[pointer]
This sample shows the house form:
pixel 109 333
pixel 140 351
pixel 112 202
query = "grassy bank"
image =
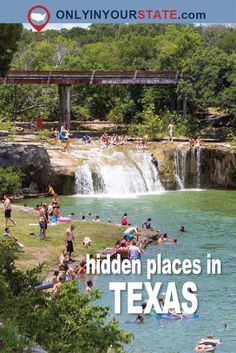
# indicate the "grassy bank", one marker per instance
pixel 36 251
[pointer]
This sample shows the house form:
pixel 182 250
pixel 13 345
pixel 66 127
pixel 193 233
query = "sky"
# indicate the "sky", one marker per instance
pixel 59 26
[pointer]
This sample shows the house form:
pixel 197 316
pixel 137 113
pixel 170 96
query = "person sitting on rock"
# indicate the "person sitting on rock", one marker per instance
pixel 51 191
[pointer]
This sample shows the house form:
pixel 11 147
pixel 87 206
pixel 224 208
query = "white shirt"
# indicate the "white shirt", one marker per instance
pixel 134 252
pixel 130 230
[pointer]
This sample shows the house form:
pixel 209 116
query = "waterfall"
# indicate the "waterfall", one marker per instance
pixel 84 180
pixel 177 175
pixel 198 168
pixel 184 159
pixel 115 171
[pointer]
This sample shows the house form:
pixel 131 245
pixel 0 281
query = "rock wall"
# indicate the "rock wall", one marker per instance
pixel 165 157
pixel 38 168
pixel 213 167
pixel 218 168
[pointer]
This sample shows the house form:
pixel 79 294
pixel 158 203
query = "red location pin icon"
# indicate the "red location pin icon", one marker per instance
pixel 38 17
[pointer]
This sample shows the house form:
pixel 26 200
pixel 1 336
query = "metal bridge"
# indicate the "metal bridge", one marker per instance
pixel 65 79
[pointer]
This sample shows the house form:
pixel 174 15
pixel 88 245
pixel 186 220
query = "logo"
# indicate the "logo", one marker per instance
pixel 38 17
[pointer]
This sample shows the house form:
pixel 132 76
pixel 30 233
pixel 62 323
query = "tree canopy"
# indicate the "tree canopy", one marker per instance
pixel 206 53
pixel 9 36
pixel 66 322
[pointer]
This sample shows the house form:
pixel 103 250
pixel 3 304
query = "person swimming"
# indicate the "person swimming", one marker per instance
pixel 139 318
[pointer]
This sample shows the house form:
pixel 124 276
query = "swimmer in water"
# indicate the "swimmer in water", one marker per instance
pixel 89 287
pixel 161 303
pixel 181 229
pixel 139 319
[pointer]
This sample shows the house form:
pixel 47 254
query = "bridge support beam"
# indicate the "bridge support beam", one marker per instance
pixel 64 105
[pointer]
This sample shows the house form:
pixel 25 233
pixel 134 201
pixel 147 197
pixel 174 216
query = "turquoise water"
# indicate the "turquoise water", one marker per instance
pixel 209 217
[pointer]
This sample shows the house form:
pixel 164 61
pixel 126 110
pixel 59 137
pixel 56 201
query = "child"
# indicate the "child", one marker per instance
pixel 89 287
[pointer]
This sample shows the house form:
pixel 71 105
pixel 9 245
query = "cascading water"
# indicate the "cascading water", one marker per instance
pixel 184 159
pixel 114 171
pixel 198 168
pixel 84 180
pixel 177 174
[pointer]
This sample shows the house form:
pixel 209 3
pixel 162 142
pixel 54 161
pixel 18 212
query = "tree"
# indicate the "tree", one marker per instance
pixel 68 322
pixel 10 181
pixel 228 41
pixel 228 95
pixel 9 36
pixel 208 71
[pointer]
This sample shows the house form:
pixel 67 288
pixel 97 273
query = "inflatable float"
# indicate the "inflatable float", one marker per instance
pixel 170 316
pixel 207 345
pixel 45 285
pixel 63 220
pixel 204 348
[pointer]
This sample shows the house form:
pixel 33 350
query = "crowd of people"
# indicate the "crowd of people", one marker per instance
pixel 70 269
pixel 194 143
pixel 130 247
pixel 107 141
pixel 50 212
pixel 140 144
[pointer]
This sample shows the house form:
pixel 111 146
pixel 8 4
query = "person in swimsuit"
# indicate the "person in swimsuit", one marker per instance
pixel 69 239
pixel 42 222
pixel 89 287
pixel 171 131
pixel 56 136
pixel 154 161
pixel 123 251
pixel 147 224
pixel 124 220
pixel 7 210
pixel 82 270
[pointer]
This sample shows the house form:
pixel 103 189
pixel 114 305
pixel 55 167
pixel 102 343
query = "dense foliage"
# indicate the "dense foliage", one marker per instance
pixel 206 53
pixel 67 322
pixel 10 181
pixel 9 36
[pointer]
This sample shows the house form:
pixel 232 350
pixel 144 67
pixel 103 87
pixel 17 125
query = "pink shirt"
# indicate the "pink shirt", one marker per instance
pixel 124 221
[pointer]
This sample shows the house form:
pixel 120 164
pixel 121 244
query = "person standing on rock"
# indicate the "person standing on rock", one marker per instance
pixel 69 239
pixel 171 131
pixel 7 210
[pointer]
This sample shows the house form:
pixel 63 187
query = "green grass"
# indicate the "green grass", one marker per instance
pixel 36 251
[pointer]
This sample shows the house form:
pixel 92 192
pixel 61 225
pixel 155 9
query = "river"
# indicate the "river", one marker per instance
pixel 209 218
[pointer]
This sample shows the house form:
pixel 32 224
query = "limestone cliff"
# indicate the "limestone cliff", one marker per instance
pixel 211 166
pixel 40 167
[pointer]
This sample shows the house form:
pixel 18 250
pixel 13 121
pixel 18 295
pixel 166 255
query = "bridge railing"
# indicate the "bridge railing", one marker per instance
pixel 92 77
